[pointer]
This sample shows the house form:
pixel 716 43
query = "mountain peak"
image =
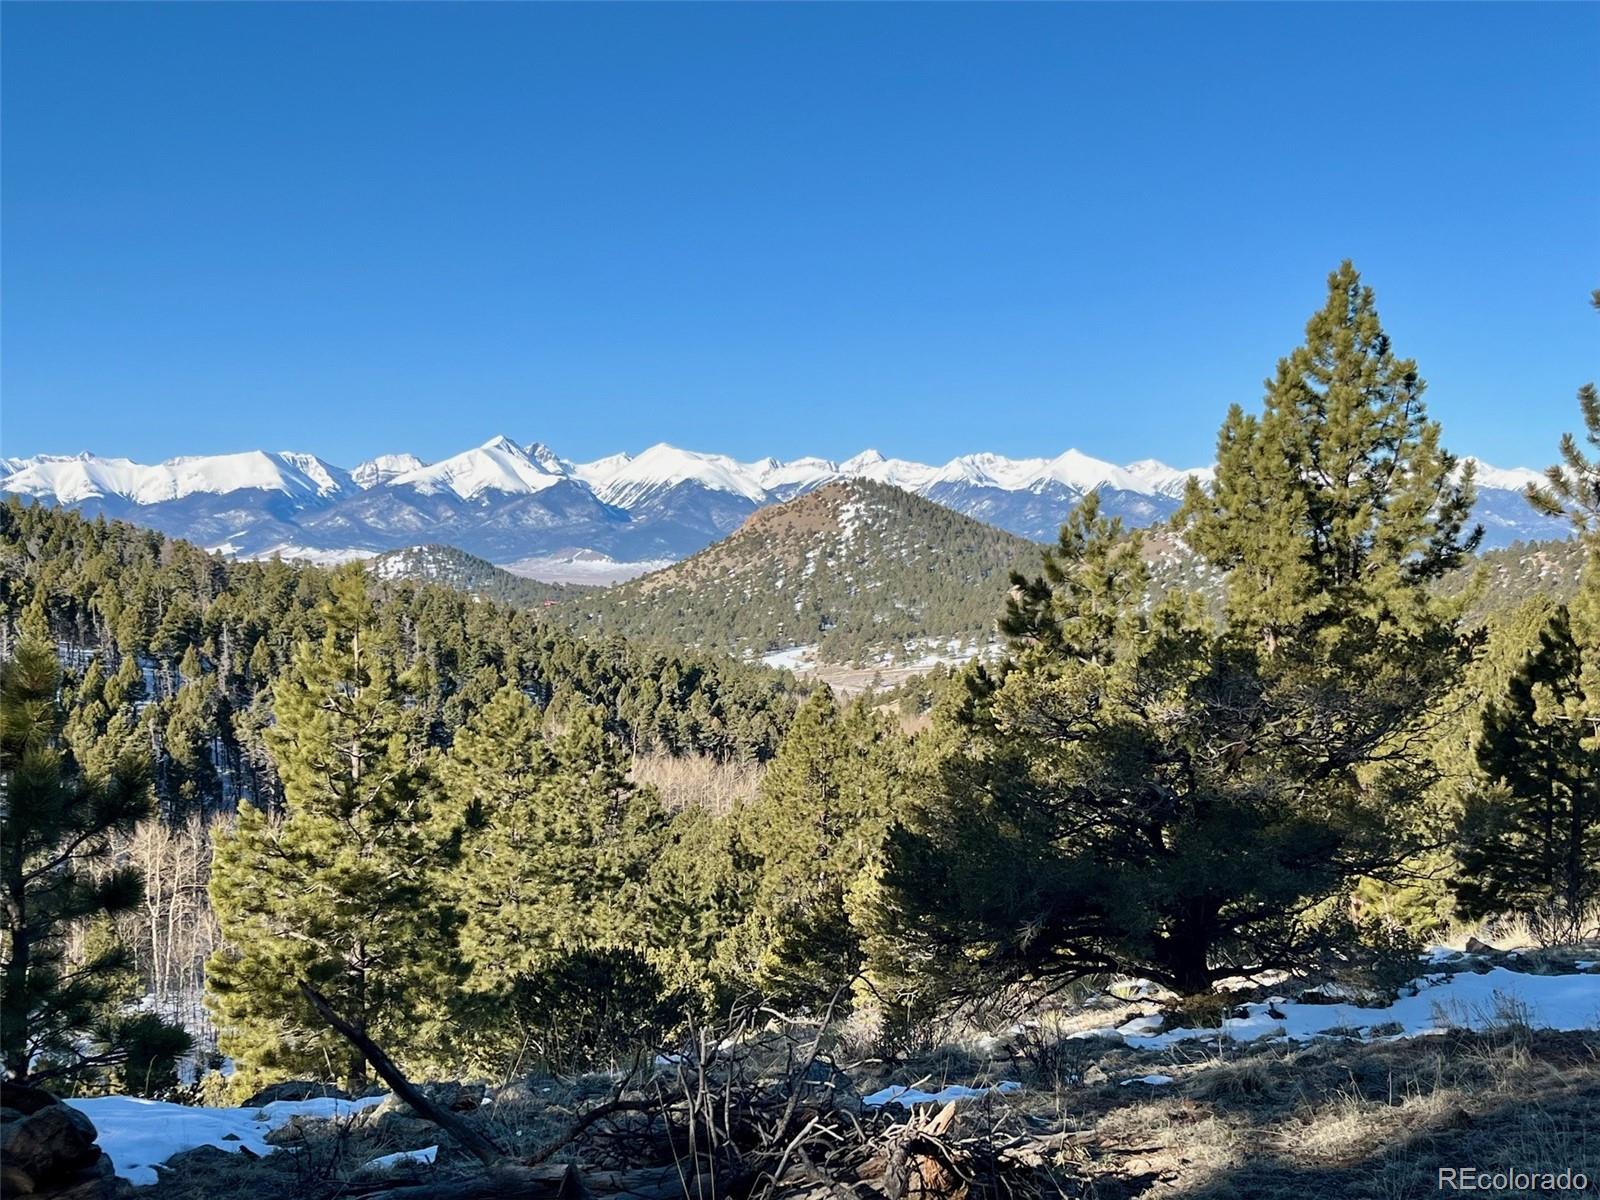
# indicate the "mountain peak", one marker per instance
pixel 546 458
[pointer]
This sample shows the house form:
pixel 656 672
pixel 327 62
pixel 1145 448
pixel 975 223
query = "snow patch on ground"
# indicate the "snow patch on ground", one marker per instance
pixel 795 658
pixel 139 1134
pixel 426 1155
pixel 1464 1000
pixel 907 1096
pixel 308 554
pixel 586 566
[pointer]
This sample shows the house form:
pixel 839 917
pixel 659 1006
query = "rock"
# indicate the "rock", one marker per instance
pixel 199 1156
pixel 457 1097
pixel 98 1182
pixel 52 1144
pixel 1474 946
pixel 49 1151
pixel 26 1100
pixel 296 1089
pixel 535 1089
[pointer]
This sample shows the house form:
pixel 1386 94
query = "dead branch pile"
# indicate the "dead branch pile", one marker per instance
pixel 750 1112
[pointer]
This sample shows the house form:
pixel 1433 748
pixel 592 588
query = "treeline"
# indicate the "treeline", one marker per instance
pixel 1310 774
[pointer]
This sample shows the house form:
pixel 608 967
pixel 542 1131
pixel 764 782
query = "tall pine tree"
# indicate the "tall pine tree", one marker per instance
pixel 817 822
pixel 1138 789
pixel 552 885
pixel 341 892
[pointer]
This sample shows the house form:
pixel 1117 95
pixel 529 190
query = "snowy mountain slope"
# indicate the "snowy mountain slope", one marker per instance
pixel 499 465
pixel 385 467
pixel 87 477
pixel 510 502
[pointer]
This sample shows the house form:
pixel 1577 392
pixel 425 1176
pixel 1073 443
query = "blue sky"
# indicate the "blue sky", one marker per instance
pixel 779 229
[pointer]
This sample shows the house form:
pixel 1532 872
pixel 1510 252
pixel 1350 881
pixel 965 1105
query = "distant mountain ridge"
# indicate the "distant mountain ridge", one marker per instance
pixel 508 502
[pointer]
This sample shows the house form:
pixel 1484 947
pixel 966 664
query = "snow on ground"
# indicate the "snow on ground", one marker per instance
pixel 795 658
pixel 1463 1000
pixel 309 554
pixel 907 1096
pixel 426 1155
pixel 138 1134
pixel 586 566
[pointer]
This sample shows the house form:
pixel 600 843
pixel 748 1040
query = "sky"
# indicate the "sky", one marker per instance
pixel 778 229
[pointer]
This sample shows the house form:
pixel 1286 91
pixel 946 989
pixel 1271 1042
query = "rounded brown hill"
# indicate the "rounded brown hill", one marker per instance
pixel 861 570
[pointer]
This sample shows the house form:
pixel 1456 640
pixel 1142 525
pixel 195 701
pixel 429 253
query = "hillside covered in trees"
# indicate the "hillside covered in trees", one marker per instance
pixel 858 569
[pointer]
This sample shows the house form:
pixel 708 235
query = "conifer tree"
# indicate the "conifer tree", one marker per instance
pixel 818 820
pixel 552 885
pixel 1143 790
pixel 1530 839
pixel 57 828
pixel 342 891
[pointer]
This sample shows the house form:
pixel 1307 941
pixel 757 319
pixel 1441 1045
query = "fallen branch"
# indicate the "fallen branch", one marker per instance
pixel 476 1143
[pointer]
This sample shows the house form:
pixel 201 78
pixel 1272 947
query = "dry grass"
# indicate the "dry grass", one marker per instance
pixel 1326 1120
pixel 697 781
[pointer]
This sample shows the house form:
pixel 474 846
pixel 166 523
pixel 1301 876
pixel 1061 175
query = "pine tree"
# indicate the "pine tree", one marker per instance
pixel 817 821
pixel 1329 508
pixel 1530 839
pixel 57 830
pixel 552 885
pixel 1140 789
pixel 341 892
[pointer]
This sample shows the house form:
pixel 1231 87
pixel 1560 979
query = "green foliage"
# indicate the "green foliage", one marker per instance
pixel 1140 789
pixel 1530 841
pixel 859 569
pixel 813 829
pixel 553 883
pixel 178 651
pixel 56 836
pixel 339 892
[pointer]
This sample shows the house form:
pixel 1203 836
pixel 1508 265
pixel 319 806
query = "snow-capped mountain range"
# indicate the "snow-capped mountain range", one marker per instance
pixel 524 505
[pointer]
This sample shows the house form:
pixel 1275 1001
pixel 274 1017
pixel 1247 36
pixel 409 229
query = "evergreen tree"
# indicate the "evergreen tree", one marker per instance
pixel 341 892
pixel 1142 790
pixel 817 822
pixel 57 829
pixel 552 885
pixel 1531 841
pixel 1531 838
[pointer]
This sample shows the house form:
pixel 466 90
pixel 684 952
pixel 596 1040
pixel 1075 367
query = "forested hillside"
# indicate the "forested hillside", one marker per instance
pixel 856 568
pixel 465 572
pixel 177 650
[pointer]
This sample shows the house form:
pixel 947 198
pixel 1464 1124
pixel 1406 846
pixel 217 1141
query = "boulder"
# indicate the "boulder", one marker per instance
pixel 296 1089
pixel 24 1099
pixel 52 1143
pixel 457 1097
pixel 48 1150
